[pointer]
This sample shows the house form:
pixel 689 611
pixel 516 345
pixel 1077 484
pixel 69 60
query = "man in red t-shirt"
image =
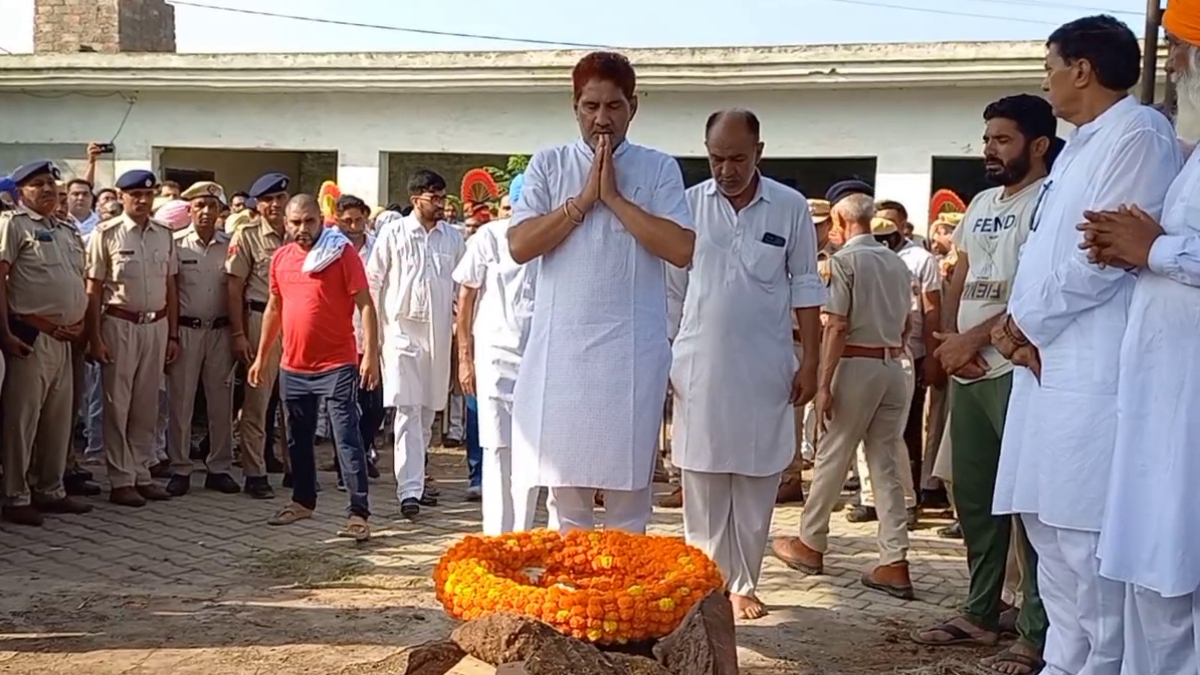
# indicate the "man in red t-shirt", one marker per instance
pixel 317 283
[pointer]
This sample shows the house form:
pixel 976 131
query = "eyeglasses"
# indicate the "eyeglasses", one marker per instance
pixel 436 200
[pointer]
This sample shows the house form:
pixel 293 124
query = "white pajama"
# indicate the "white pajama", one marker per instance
pixel 728 516
pixel 505 508
pixel 414 430
pixel 1160 635
pixel 575 509
pixel 1085 610
pixel 455 417
pixel 93 411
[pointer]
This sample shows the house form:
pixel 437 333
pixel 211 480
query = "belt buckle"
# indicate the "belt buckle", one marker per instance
pixel 146 317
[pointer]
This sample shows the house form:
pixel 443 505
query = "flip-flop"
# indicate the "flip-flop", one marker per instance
pixel 356 529
pixel 958 637
pixel 1032 663
pixel 290 514
pixel 1008 622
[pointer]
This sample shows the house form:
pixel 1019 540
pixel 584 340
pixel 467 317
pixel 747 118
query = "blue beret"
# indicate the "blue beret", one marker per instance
pixel 845 188
pixel 138 179
pixel 514 188
pixel 269 185
pixel 27 171
pixel 8 185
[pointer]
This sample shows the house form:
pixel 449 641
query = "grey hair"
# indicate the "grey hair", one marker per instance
pixel 1188 82
pixel 856 209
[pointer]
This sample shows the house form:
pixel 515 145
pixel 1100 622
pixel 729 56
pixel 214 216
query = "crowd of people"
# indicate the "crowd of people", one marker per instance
pixel 1050 327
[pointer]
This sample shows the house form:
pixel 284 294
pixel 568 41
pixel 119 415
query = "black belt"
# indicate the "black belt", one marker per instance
pixel 256 306
pixel 193 322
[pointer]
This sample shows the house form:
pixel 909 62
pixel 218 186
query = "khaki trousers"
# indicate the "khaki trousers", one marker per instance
pixel 131 383
pixel 37 395
pixel 253 425
pixel 204 360
pixel 870 399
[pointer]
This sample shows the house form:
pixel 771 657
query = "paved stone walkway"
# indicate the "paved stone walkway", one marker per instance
pixel 211 545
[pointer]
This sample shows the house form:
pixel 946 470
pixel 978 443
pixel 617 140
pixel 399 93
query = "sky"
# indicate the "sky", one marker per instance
pixel 608 23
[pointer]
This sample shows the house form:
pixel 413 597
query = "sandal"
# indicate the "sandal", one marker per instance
pixel 356 529
pixel 290 514
pixel 1008 622
pixel 958 637
pixel 1031 664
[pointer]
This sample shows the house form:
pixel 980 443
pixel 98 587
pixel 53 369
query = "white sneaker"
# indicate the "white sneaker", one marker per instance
pixel 474 493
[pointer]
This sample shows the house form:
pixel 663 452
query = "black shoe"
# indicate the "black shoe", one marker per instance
pixel 428 500
pixel 451 443
pixel 287 481
pixel 372 470
pixel 259 488
pixel 852 484
pixel 161 469
pixel 178 486
pixel 221 482
pixel 78 487
pixel 66 505
pixel 911 518
pixel 863 514
pixel 273 464
pixel 341 485
pixel 935 500
pixel 410 508
pixel 22 515
pixel 78 473
pixel 954 531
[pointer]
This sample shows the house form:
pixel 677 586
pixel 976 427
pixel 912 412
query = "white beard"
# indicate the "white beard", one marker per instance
pixel 1187 87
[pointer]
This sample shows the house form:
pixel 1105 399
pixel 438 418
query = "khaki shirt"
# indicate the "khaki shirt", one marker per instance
pixel 202 277
pixel 871 286
pixel 250 252
pixel 133 263
pixel 45 258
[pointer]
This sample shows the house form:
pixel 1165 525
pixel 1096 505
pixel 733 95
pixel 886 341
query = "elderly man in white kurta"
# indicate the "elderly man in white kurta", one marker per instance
pixel 1065 322
pixel 491 341
pixel 735 373
pixel 409 271
pixel 601 214
pixel 1149 537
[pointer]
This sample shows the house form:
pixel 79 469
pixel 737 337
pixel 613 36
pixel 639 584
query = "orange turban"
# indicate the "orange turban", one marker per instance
pixel 1182 19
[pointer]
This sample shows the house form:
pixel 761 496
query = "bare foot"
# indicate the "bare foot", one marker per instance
pixel 1018 659
pixel 747 607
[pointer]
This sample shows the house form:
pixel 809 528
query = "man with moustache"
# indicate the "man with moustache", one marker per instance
pixel 133 313
pixel 754 267
pixel 41 280
pixel 205 358
pixel 317 284
pixel 249 266
pixel 1019 149
pixel 602 215
pixel 1148 536
pixel 1065 321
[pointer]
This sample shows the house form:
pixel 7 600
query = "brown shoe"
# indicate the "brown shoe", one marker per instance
pixel 154 492
pixel 126 496
pixel 891 579
pixel 673 500
pixel 22 515
pixel 791 491
pixel 161 469
pixel 798 556
pixel 66 505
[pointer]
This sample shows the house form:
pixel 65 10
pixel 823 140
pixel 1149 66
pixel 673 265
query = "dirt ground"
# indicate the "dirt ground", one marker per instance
pixel 199 586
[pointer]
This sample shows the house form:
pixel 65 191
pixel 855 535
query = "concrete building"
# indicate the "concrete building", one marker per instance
pixel 907 116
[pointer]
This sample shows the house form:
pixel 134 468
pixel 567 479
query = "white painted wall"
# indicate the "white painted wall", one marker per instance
pixel 904 128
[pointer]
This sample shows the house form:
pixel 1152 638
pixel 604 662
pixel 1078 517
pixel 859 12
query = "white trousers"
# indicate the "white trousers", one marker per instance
pixel 505 508
pixel 414 430
pixel 866 494
pixel 93 411
pixel 728 516
pixel 575 509
pixel 1086 611
pixel 160 429
pixel 807 432
pixel 456 417
pixel 1160 634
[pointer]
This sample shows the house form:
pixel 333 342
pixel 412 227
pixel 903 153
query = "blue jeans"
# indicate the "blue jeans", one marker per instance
pixel 307 398
pixel 474 452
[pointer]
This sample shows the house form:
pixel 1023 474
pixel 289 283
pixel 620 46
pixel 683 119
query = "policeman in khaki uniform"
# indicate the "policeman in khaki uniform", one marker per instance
pixel 41 272
pixel 204 354
pixel 863 395
pixel 132 320
pixel 248 266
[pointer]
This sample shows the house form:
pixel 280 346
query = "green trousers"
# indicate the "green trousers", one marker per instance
pixel 977 412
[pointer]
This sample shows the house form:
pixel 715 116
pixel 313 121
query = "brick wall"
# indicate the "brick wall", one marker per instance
pixel 106 26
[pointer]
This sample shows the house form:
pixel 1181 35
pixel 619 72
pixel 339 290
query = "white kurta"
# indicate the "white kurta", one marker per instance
pixel 1058 437
pixel 588 405
pixel 503 313
pixel 1149 537
pixel 410 277
pixel 734 359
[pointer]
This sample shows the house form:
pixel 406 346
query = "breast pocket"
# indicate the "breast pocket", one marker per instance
pixel 763 262
pixel 125 267
pixel 159 264
pixel 46 252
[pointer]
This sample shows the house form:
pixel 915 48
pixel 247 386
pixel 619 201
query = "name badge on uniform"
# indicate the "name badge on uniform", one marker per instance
pixel 773 240
pixel 129 252
pixel 188 262
pixel 45 237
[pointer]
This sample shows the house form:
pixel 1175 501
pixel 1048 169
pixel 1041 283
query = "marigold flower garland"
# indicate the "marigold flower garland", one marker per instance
pixel 603 587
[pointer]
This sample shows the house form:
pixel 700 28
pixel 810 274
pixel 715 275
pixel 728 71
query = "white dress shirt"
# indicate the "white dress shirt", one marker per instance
pixel 734 359
pixel 926 278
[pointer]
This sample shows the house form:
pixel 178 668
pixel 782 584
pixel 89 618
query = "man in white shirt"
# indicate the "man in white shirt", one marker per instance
pixel 1064 326
pixel 410 276
pixel 602 214
pixel 495 308
pixel 1148 538
pixel 735 373
pixel 1019 148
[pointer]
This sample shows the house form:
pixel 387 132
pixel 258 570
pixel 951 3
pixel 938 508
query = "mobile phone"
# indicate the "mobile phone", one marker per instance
pixel 107 148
